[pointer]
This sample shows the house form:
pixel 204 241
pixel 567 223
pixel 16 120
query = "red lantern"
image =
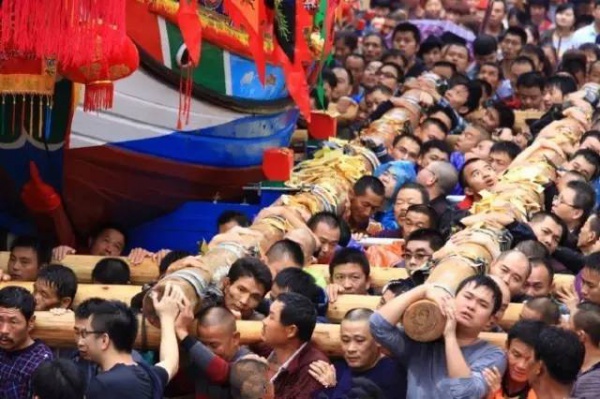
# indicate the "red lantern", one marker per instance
pixel 99 75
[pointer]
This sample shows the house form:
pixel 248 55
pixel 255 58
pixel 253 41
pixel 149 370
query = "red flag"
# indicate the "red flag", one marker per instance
pixel 191 28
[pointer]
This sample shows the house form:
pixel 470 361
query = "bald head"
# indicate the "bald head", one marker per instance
pixel 306 239
pixel 217 317
pixel 446 175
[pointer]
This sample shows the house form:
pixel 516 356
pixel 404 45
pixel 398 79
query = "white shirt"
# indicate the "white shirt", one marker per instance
pixel 587 34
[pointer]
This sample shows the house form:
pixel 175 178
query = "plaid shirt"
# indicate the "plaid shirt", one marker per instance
pixel 16 369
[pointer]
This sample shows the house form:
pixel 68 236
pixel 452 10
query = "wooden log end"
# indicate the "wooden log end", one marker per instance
pixel 423 321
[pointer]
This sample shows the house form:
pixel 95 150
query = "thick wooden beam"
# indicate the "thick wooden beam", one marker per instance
pixel 82 265
pixel 57 331
pixel 381 275
pixel 122 293
pixel 335 313
pixel 147 271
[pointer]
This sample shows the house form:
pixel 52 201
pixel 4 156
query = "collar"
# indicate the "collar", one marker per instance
pixel 286 366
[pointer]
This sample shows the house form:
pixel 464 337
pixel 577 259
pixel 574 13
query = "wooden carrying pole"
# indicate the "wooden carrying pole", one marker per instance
pixel 147 271
pixel 122 293
pixel 518 194
pixel 82 265
pixel 326 182
pixel 57 331
pixel 335 312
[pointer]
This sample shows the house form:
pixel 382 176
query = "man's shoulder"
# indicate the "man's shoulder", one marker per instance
pixel 484 349
pixel 122 373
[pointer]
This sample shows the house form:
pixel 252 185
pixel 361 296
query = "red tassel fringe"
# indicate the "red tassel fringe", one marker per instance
pixel 65 29
pixel 98 96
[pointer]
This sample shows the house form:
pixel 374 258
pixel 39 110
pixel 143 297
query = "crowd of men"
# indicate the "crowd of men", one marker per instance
pixel 525 57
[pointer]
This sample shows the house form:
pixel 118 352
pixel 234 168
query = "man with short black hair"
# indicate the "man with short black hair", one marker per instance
pixel 57 379
pixel 497 115
pixel 406 147
pixel 284 253
pixel 300 282
pixel 27 256
pixel 288 330
pixel 407 38
pixel 419 217
pixel 530 90
pixel 432 151
pixel 502 154
pixel 558 359
pixel 326 226
pixel 586 324
pixel 367 196
pixel 420 246
pixel 111 271
pixel 455 364
pixel 485 49
pixel 230 219
pixel 520 344
pixel 246 284
pixel 109 335
pixel 55 287
pixel 548 229
pixel 20 355
pixel 511 44
pixel 557 87
pixel 431 129
pixel 349 273
pixel 573 205
pixel 590 278
pixel 586 162
pixel 475 176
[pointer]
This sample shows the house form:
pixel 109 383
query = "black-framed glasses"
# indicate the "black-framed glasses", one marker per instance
pixel 559 200
pixel 85 333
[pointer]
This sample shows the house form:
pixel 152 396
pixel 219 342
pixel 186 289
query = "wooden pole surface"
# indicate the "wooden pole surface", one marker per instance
pixel 82 265
pixel 57 331
pixel 380 276
pixel 147 271
pixel 335 313
pixel 122 293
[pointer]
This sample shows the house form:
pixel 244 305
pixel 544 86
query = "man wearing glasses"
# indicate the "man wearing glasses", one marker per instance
pixel 108 337
pixel 573 205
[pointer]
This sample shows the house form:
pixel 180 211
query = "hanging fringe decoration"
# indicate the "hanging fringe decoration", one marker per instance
pixel 67 29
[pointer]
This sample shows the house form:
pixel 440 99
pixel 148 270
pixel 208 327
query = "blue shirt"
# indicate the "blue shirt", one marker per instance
pixel 426 364
pixel 387 374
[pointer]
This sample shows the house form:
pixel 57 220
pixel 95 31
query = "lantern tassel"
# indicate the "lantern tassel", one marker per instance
pixel 98 96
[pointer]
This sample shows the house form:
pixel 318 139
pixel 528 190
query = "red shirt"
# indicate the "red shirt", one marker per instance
pixel 294 382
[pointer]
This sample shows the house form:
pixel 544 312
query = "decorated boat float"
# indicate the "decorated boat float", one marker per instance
pixel 217 84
